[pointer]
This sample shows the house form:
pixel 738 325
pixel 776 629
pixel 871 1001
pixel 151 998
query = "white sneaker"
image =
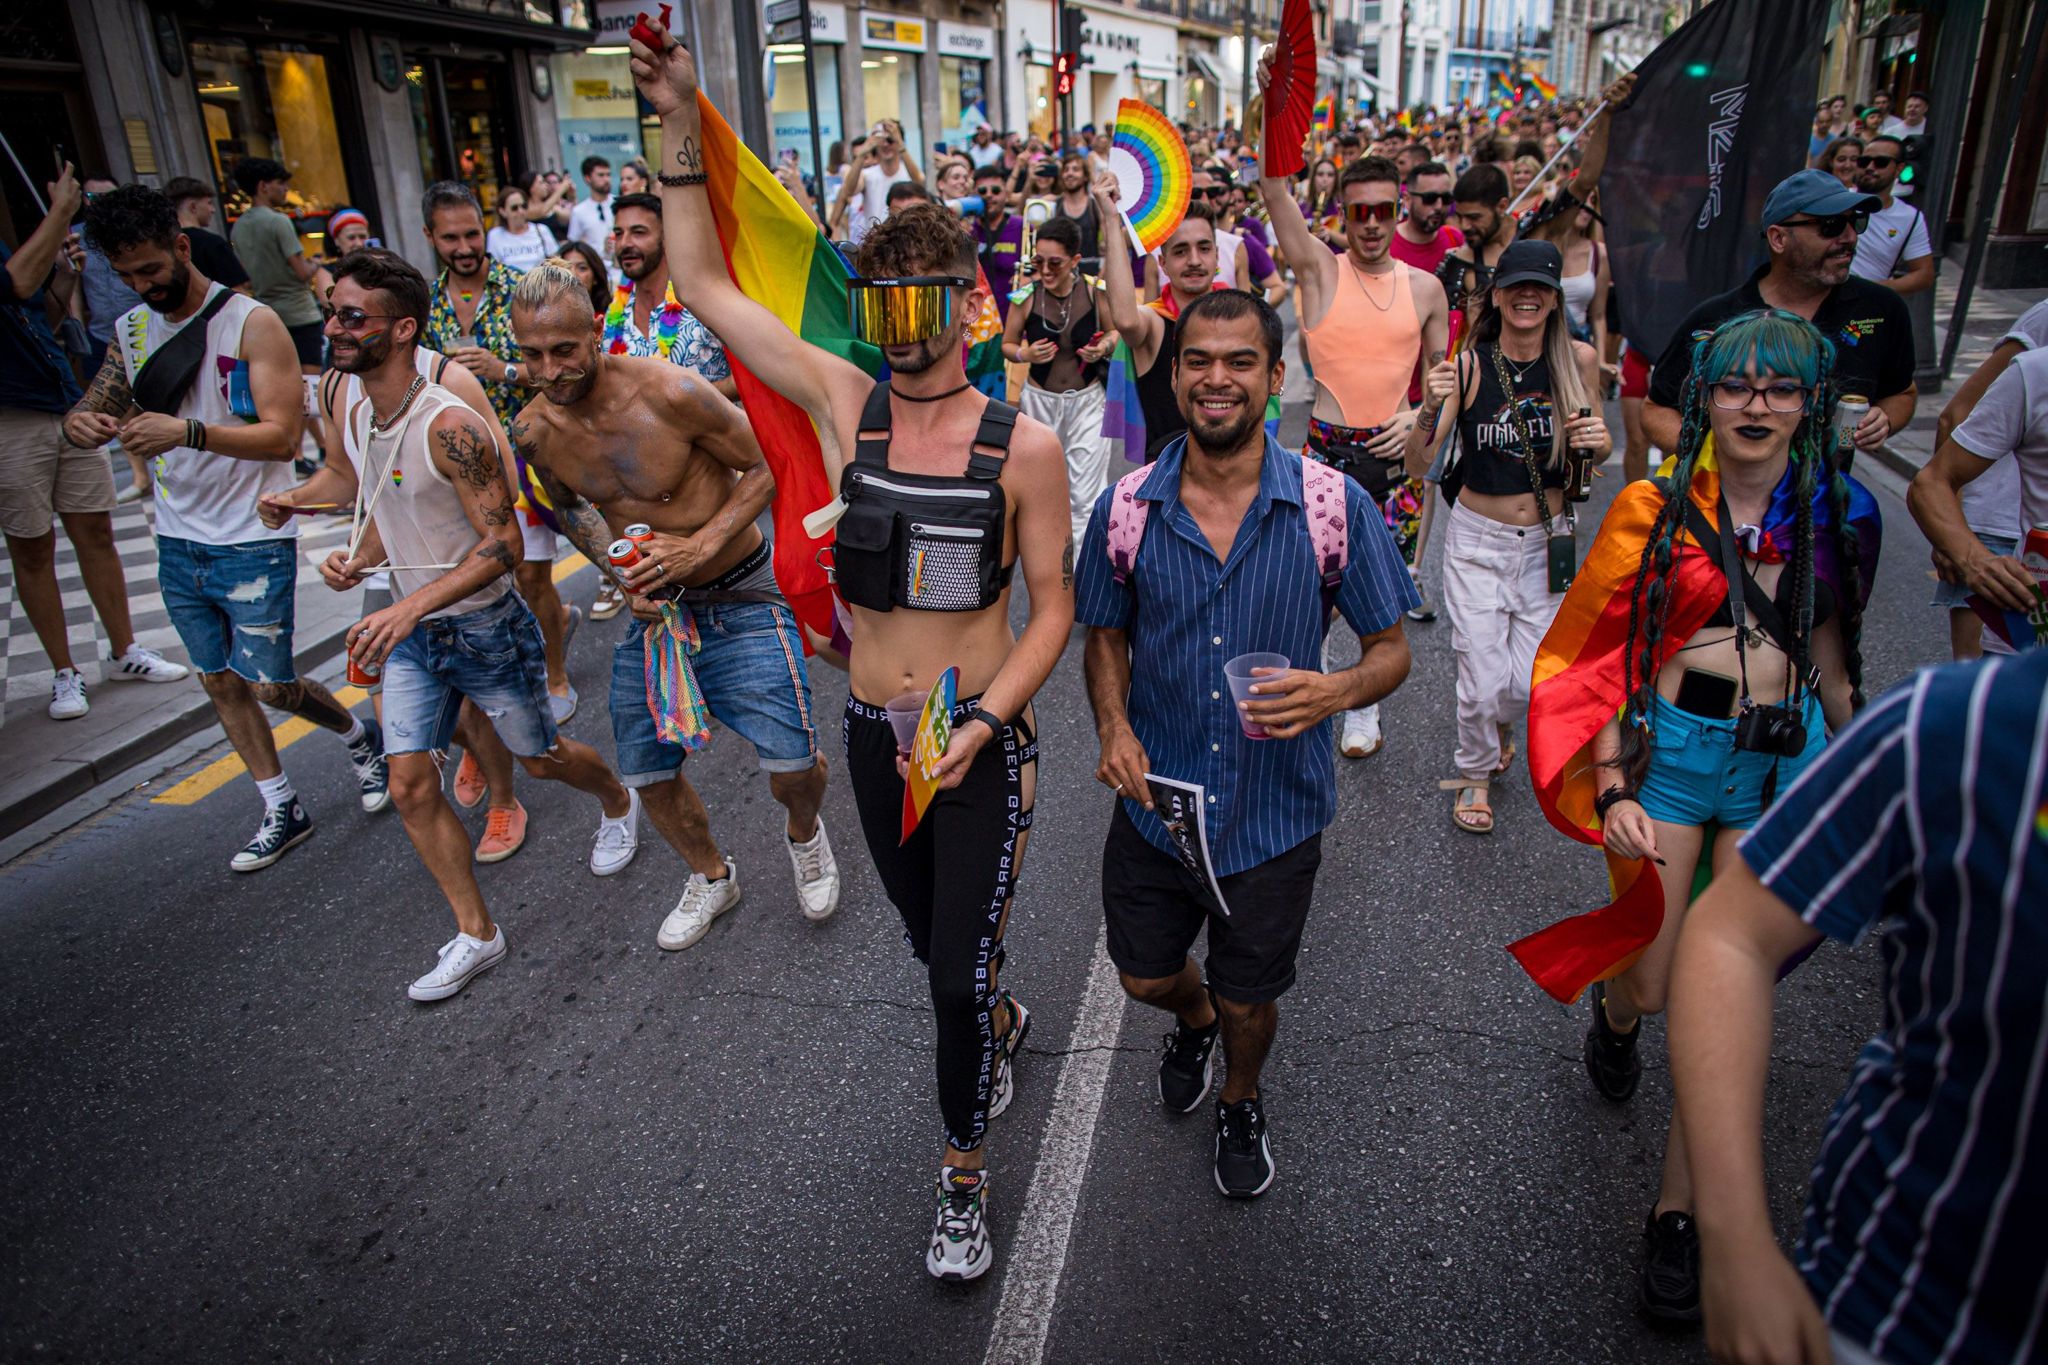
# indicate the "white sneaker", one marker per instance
pixel 703 901
pixel 462 957
pixel 617 840
pixel 67 695
pixel 1361 737
pixel 146 665
pixel 817 875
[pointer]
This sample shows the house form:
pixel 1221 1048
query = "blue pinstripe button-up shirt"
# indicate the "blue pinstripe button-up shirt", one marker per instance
pixel 1186 614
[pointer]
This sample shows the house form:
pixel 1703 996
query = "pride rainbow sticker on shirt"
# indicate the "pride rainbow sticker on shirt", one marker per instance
pixel 397 477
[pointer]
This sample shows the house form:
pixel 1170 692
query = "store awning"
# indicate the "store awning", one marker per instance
pixel 1204 65
pixel 1153 71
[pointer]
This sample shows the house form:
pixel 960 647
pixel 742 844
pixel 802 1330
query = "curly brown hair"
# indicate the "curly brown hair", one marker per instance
pixel 917 239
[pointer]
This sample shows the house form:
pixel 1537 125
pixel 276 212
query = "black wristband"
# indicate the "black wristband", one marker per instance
pixel 1611 798
pixel 988 718
pixel 679 181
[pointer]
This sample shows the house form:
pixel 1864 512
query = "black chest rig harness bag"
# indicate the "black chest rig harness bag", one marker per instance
pixel 923 541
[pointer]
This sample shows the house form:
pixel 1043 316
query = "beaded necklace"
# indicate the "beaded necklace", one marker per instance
pixel 667 320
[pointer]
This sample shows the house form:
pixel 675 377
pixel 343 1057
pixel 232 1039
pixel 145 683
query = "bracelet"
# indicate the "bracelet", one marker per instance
pixel 1611 798
pixel 201 445
pixel 192 433
pixel 676 182
pixel 987 718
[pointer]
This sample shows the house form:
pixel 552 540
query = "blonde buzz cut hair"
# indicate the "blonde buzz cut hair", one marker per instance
pixel 548 283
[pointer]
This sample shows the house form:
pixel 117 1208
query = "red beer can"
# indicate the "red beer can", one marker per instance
pixel 2034 551
pixel 639 533
pixel 623 553
pixel 361 676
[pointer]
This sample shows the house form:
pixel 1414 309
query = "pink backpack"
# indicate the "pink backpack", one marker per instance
pixel 1322 502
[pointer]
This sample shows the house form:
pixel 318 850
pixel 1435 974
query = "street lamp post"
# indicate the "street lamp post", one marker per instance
pixel 1244 89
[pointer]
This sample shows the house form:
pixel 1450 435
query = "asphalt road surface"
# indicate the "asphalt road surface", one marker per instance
pixel 226 1134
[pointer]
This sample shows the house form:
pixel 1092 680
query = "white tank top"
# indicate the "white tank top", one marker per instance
pixel 1227 245
pixel 201 496
pixel 419 516
pixel 1578 291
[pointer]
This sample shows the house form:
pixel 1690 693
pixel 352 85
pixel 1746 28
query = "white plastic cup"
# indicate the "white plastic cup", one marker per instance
pixel 1238 673
pixel 903 714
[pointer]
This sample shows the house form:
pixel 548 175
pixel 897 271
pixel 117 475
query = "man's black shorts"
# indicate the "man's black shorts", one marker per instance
pixel 1155 911
pixel 310 341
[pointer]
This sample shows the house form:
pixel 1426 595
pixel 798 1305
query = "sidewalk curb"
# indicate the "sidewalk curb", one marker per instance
pixel 1895 462
pixel 119 752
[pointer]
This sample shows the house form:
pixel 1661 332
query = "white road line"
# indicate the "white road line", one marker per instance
pixel 1038 1253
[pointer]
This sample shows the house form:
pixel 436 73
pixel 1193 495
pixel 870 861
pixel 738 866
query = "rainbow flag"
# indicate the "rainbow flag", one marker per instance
pixel 984 359
pixel 1543 87
pixel 1576 688
pixel 778 258
pixel 1325 114
pixel 1506 89
pixel 1406 118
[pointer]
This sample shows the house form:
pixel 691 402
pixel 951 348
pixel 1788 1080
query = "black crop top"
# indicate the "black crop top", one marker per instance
pixel 1491 456
pixel 928 542
pixel 1823 603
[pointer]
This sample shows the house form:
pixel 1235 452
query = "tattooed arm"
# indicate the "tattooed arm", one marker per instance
pixel 96 419
pixel 582 523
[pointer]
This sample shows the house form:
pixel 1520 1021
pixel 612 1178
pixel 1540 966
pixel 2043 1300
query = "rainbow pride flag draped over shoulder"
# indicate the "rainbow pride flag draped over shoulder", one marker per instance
pixel 1576 688
pixel 778 258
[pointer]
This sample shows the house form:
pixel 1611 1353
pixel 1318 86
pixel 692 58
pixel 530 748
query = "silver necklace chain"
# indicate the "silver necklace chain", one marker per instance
pixel 378 428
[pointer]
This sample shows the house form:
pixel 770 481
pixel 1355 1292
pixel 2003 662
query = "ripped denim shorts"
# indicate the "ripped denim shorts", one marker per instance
pixel 493 656
pixel 232 604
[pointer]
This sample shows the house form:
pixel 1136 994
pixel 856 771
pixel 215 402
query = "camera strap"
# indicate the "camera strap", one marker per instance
pixel 1745 593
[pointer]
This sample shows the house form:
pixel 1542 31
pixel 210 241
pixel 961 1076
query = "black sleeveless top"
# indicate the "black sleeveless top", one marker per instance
pixel 1489 442
pixel 1163 420
pixel 1081 326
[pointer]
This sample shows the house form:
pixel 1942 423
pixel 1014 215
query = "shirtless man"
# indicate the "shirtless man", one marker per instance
pixel 653 442
pixel 1367 317
pixel 995 483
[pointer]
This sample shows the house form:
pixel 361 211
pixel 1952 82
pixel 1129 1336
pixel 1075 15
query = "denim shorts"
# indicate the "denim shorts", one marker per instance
pixel 493 656
pixel 1697 776
pixel 1951 595
pixel 232 604
pixel 752 672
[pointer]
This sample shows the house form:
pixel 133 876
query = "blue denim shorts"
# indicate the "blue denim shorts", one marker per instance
pixel 751 669
pixel 493 656
pixel 232 604
pixel 1697 776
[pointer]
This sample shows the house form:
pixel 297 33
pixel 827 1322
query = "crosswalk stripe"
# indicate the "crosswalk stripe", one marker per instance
pixel 229 766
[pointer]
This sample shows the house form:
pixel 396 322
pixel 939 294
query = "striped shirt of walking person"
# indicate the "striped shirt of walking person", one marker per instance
pixel 1921 1240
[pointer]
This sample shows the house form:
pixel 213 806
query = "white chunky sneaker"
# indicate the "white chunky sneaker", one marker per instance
pixel 145 665
pixel 817 875
pixel 959 1248
pixel 617 840
pixel 1361 737
pixel 703 901
pixel 462 957
pixel 1007 1048
pixel 67 695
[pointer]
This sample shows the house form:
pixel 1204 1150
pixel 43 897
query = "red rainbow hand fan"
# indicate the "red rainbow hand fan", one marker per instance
pixel 1291 94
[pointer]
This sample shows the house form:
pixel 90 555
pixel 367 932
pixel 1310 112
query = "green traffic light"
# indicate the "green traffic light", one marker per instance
pixel 1906 175
pixel 1697 70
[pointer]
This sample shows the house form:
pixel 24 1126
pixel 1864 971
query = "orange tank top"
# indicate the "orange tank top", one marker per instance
pixel 1364 350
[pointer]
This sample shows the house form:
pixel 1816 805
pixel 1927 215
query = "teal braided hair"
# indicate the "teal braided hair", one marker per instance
pixel 1789 346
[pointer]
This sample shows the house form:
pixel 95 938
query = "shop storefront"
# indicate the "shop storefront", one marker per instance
pixel 966 54
pixel 891 45
pixel 463 121
pixel 789 110
pixel 599 113
pixel 1124 56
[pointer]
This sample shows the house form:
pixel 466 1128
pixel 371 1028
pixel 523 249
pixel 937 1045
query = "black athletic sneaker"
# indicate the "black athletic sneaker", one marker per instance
pixel 1244 1161
pixel 1611 1054
pixel 282 827
pixel 1007 1048
pixel 959 1248
pixel 373 780
pixel 1669 1293
pixel 1187 1066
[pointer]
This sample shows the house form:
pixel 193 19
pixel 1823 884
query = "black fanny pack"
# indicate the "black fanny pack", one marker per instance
pixel 166 377
pixel 923 541
pixel 1343 449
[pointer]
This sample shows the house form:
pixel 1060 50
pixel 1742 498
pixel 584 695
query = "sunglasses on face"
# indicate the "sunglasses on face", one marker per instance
pixel 1048 262
pixel 1371 213
pixel 1732 395
pixel 899 312
pixel 1214 191
pixel 1875 163
pixel 1832 225
pixel 1429 198
pixel 352 319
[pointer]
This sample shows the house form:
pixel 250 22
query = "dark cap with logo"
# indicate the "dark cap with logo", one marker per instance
pixel 1529 262
pixel 1816 193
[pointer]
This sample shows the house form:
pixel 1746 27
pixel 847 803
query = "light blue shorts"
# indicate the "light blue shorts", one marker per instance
pixel 493 656
pixel 1697 776
pixel 1951 595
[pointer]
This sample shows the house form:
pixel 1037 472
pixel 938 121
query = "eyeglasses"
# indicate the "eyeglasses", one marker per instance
pixel 1732 395
pixel 352 319
pixel 899 312
pixel 1428 197
pixel 1875 163
pixel 512 206
pixel 1832 225
pixel 1371 213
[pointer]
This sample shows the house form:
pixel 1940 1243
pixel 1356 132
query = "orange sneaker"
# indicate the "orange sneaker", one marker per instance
pixel 470 786
pixel 504 832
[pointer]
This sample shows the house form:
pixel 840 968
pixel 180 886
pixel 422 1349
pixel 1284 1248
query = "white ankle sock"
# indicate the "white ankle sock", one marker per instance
pixel 356 732
pixel 277 791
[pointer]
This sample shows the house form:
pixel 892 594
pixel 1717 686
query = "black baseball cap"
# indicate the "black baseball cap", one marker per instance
pixel 1530 262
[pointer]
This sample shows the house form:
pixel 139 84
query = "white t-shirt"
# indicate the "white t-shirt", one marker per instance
pixel 1895 235
pixel 1991 501
pixel 2013 417
pixel 1228 246
pixel 979 156
pixel 525 250
pixel 871 200
pixel 201 496
pixel 1895 126
pixel 590 222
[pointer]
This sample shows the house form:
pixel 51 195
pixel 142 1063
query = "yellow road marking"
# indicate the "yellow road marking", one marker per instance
pixel 229 766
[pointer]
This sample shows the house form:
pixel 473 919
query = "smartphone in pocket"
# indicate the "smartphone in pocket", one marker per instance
pixel 1563 561
pixel 1707 694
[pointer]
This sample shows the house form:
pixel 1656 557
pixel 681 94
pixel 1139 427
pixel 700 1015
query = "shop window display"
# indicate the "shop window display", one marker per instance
pixel 890 82
pixel 271 101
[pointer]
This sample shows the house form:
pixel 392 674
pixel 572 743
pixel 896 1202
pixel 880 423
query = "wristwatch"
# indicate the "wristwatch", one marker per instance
pixel 511 373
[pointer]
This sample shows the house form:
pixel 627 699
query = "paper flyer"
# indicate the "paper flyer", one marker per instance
pixel 1180 807
pixel 934 732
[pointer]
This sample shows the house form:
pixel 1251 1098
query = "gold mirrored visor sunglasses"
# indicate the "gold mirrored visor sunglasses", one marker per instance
pixel 903 311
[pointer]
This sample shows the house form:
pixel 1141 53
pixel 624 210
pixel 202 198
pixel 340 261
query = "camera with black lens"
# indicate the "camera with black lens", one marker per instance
pixel 1774 730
